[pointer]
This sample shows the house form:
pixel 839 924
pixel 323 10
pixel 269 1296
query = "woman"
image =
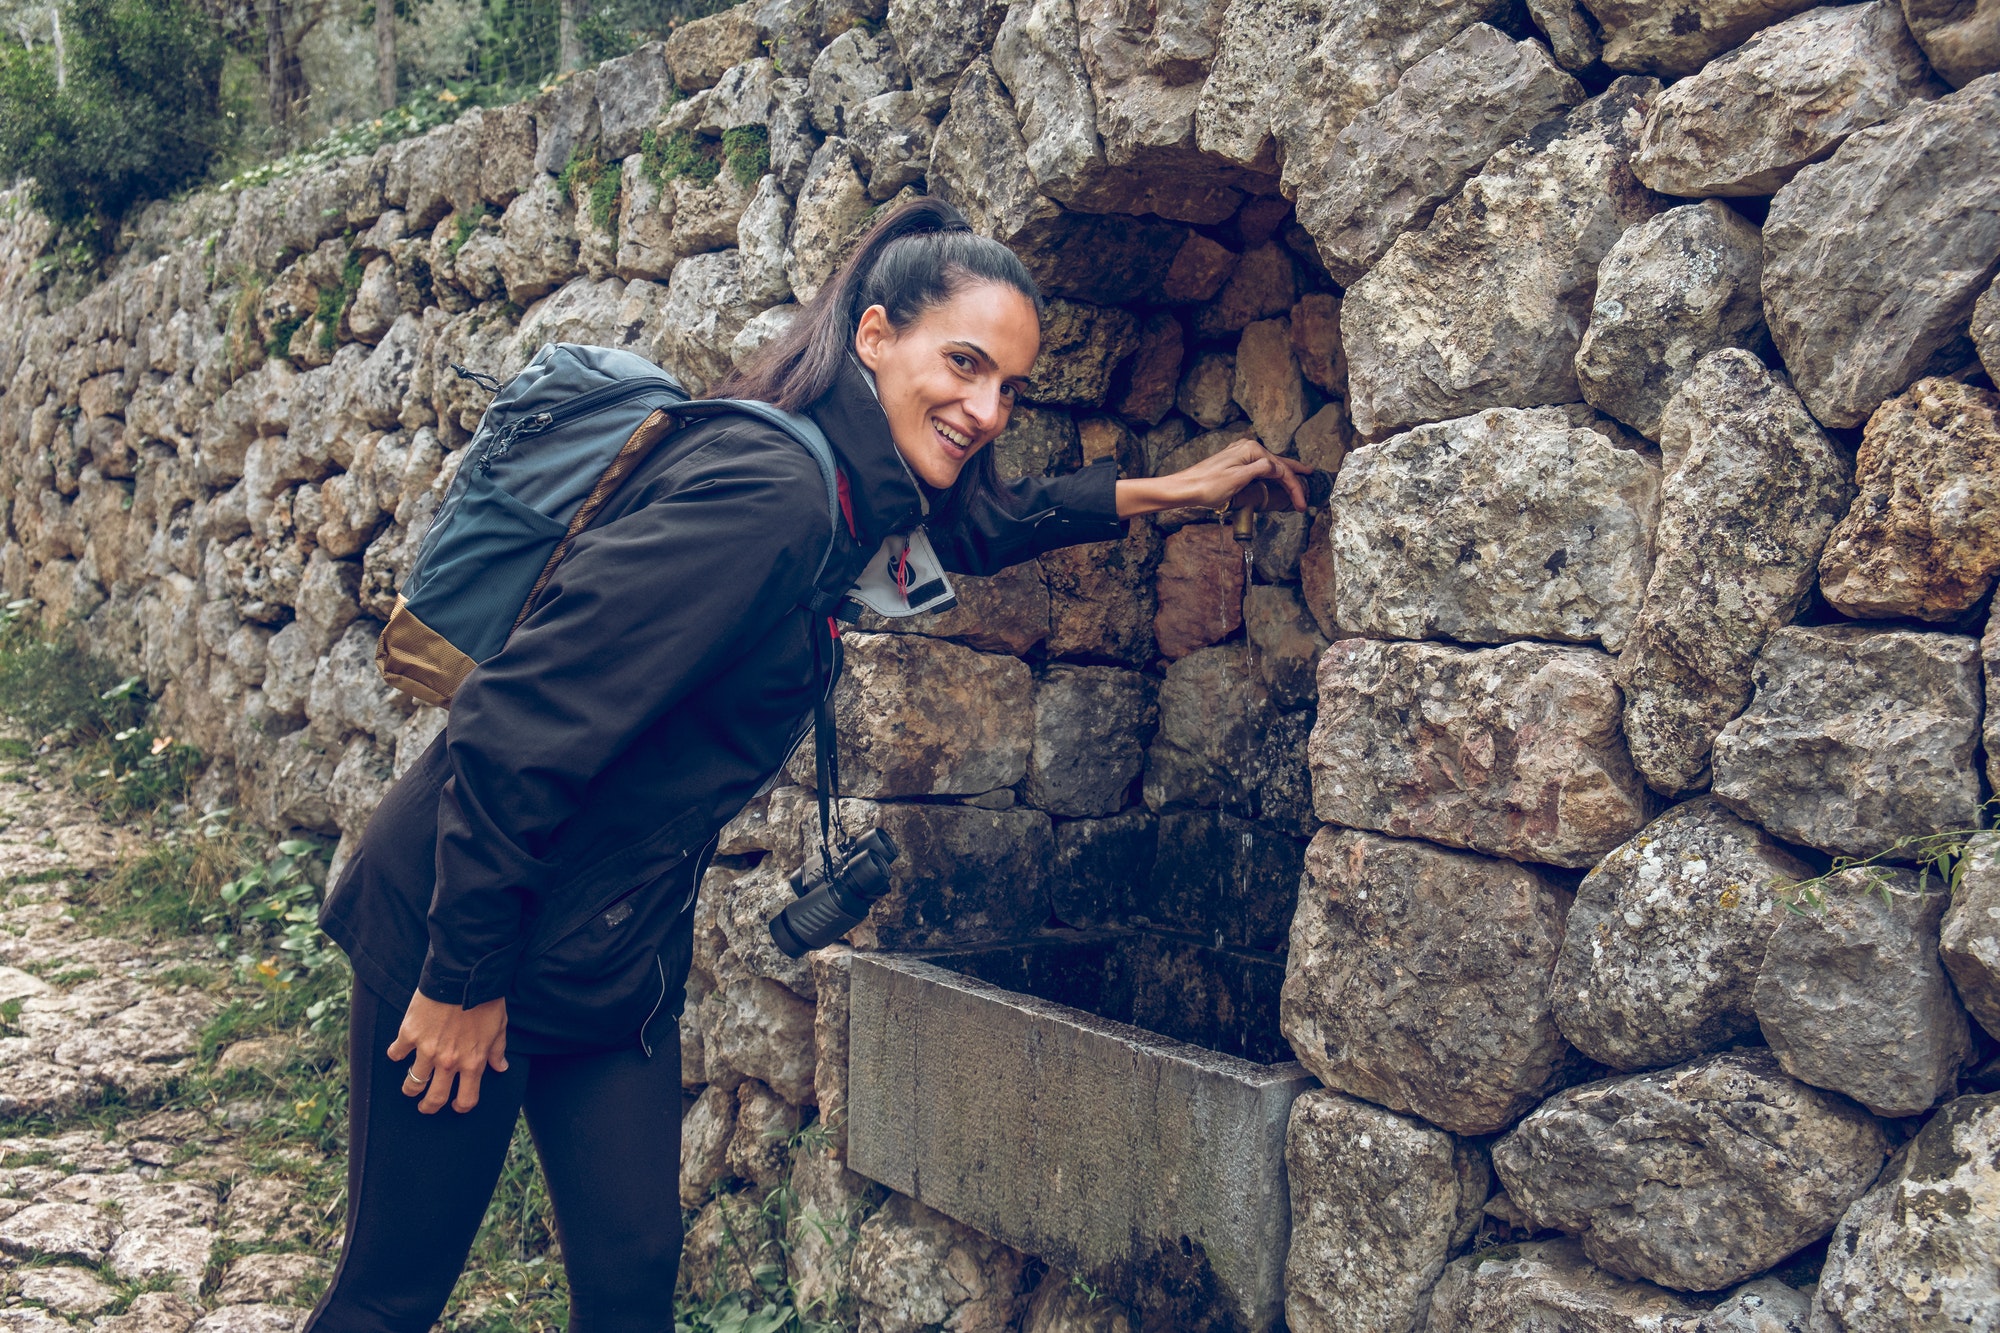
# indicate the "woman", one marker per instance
pixel 657 684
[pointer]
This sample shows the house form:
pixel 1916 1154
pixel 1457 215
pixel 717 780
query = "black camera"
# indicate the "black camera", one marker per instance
pixel 833 896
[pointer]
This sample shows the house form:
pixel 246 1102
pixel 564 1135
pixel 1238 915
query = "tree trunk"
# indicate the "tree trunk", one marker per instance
pixel 277 86
pixel 385 53
pixel 569 34
pixel 62 72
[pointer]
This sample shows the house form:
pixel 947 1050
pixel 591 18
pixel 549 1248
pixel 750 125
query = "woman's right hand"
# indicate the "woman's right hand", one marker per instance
pixel 1211 483
pixel 450 1043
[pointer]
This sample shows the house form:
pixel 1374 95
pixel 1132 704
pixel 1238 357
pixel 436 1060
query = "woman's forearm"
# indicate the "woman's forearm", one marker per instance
pixel 1150 495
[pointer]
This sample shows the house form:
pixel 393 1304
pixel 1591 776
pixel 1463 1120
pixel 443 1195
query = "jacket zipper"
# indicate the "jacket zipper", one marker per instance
pixel 645 1045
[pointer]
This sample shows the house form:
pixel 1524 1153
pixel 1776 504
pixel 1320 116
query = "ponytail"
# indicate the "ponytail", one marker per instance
pixel 914 258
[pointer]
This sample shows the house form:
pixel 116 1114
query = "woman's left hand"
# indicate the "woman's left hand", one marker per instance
pixel 1213 482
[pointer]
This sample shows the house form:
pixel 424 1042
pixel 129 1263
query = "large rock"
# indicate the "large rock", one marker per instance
pixel 1753 486
pixel 1147 67
pixel 922 717
pixel 1989 653
pixel 1267 384
pixel 1289 77
pixel 704 309
pixel 1464 314
pixel 1378 1204
pixel 1200 590
pixel 1986 329
pixel 1052 52
pixel 1851 996
pixel 939 38
pixel 1649 39
pixel 831 1202
pixel 1101 599
pixel 1675 288
pixel 832 211
pixel 1969 937
pixel 1081 345
pixel 702 51
pixel 915 1270
pixel 1284 641
pixel 1219 877
pixel 1091 728
pixel 1788 96
pixel 1514 751
pixel 979 162
pixel 1549 1285
pixel 705 1133
pixel 1402 157
pixel 1418 978
pixel 1223 744
pixel 1873 259
pixel 1507 524
pixel 1694 1177
pixel 1961 37
pixel 1101 865
pixel 853 67
pixel 1663 945
pixel 763 1031
pixel 965 876
pixel 1922 1250
pixel 1923 537
pixel 1856 738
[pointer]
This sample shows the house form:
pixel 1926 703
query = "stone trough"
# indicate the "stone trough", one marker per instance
pixel 1115 1101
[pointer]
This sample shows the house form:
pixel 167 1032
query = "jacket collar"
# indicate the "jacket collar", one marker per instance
pixel 886 497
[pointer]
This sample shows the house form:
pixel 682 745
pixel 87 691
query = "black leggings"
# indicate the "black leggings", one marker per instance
pixel 607 1128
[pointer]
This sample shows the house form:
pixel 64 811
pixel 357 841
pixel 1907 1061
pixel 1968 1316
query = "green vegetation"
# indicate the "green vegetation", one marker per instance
pixel 333 302
pixel 678 155
pixel 66 698
pixel 600 181
pixel 747 151
pixel 135 113
pixel 1940 855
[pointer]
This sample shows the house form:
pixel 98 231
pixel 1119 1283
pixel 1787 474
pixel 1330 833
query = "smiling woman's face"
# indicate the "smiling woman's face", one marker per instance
pixel 948 381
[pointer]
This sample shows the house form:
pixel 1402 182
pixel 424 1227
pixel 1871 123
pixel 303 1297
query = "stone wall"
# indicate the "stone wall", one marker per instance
pixel 1655 575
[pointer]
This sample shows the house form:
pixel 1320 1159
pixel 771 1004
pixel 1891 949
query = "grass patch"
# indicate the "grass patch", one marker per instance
pixel 333 302
pixel 10 1018
pixel 599 183
pixel 281 335
pixel 746 150
pixel 680 155
pixel 69 699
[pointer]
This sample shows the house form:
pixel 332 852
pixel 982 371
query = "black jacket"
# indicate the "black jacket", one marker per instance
pixel 544 847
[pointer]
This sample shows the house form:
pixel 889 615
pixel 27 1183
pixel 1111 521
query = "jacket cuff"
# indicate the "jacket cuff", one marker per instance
pixel 1096 497
pixel 489 979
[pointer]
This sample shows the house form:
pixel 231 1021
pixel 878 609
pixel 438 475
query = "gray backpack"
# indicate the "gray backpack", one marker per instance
pixel 554 445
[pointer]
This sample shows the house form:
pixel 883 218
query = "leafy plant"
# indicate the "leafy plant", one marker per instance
pixel 134 113
pixel 1940 854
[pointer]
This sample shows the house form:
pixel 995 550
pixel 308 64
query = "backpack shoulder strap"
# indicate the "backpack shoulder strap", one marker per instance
pixel 807 434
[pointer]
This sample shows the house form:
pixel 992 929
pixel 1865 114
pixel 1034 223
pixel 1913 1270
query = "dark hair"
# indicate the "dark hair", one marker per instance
pixel 914 258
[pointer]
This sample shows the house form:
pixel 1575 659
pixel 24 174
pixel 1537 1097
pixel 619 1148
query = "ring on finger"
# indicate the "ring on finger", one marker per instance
pixel 414 1080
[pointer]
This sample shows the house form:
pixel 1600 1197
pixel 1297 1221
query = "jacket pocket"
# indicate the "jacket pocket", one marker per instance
pixel 600 982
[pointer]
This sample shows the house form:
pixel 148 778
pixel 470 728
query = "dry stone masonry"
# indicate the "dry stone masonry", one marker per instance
pixel 1653 348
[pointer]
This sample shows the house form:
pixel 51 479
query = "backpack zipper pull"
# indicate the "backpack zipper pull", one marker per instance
pixel 533 425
